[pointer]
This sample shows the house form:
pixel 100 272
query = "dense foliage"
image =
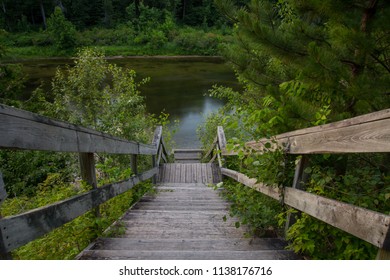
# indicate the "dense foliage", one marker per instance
pixel 53 28
pixel 18 15
pixel 306 63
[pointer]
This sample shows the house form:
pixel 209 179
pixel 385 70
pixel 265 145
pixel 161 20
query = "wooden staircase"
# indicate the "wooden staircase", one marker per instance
pixel 184 219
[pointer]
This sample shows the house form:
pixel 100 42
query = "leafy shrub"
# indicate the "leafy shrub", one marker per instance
pixel 23 171
pixel 197 41
pixel 122 35
pixel 62 31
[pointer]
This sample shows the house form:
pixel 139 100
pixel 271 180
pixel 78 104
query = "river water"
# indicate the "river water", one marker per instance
pixel 178 86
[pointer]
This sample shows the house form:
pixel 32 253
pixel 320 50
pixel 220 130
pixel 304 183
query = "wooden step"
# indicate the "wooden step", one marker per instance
pixel 187 155
pixel 203 173
pixel 226 244
pixel 187 255
pixel 184 221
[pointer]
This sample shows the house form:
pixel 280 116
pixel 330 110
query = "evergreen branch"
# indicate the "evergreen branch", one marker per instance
pixel 380 62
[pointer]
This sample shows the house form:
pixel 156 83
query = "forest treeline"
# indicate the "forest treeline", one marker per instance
pixel 21 16
pixel 129 27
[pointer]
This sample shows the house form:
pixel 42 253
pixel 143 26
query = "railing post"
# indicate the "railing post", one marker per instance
pixel 4 255
pixel 300 178
pixel 154 164
pixel 383 254
pixel 87 167
pixel 156 142
pixel 133 164
pixel 88 172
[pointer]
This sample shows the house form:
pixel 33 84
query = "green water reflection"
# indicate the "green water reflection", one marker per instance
pixel 177 87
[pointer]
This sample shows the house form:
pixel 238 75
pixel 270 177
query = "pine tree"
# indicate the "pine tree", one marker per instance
pixel 314 60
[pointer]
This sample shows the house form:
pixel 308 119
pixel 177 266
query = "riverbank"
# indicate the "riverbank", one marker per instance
pixel 34 52
pixel 172 57
pixel 116 42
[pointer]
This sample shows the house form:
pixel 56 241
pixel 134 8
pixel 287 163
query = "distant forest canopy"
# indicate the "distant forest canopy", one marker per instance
pixel 25 15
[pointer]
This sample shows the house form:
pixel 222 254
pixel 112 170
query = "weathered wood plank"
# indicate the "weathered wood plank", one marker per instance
pixel 221 138
pixel 187 155
pixel 199 172
pixel 368 225
pixel 188 255
pixel 367 133
pixel 300 179
pixel 204 173
pixel 177 226
pixel 157 136
pixel 177 173
pixel 3 192
pixel 134 164
pixel 252 183
pixel 28 131
pixel 21 229
pixel 209 173
pixel 184 233
pixel 383 254
pixel 227 244
pixel 87 168
pixel 165 151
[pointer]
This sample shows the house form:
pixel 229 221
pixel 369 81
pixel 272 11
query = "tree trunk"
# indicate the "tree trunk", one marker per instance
pixel 107 6
pixel 43 14
pixel 137 11
pixel 360 56
pixel 184 6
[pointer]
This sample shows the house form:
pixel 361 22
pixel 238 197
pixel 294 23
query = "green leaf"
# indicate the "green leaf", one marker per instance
pixel 308 170
pixel 237 224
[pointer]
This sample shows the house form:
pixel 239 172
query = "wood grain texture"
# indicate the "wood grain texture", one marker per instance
pixel 221 138
pixel 368 225
pixel 184 221
pixel 87 169
pixel 364 134
pixel 24 130
pixel 21 229
pixel 226 244
pixel 187 255
pixel 189 173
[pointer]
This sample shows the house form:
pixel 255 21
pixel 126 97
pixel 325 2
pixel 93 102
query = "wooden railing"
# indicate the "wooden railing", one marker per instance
pixel 364 134
pixel 27 131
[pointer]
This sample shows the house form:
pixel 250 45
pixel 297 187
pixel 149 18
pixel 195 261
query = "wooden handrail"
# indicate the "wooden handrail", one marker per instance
pixel 28 131
pixel 368 133
pixel 20 229
pixel 368 225
pixel 364 134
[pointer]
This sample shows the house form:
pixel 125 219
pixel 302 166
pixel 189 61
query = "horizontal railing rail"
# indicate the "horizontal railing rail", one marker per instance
pixel 364 134
pixel 28 131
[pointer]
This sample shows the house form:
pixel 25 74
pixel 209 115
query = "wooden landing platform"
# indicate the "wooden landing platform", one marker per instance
pixel 205 173
pixel 183 221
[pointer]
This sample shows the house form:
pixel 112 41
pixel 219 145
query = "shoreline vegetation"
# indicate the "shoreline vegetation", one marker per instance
pixel 197 58
pixel 119 41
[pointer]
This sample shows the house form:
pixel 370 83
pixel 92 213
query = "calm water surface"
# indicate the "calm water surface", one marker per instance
pixel 177 87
